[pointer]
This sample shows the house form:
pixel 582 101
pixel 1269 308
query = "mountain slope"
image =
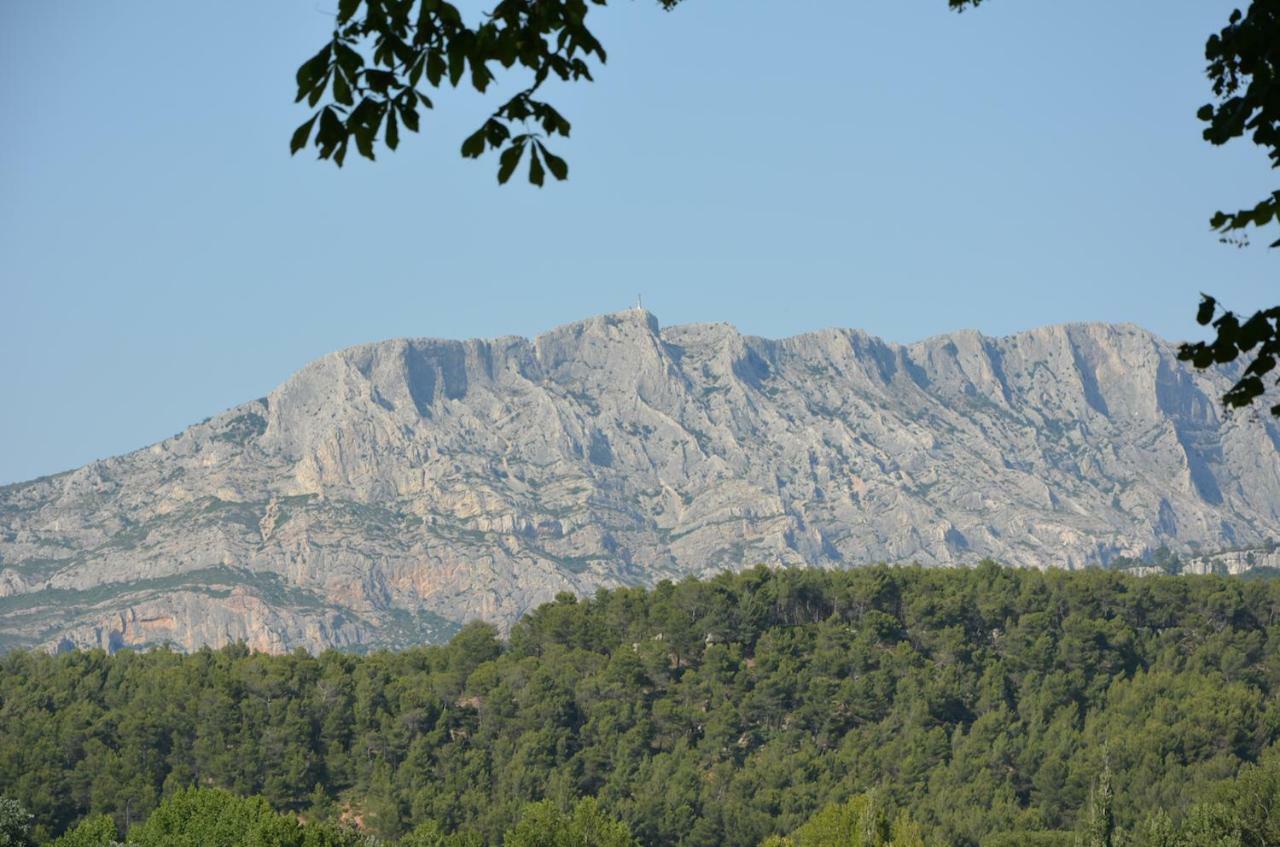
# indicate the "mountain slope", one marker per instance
pixel 386 492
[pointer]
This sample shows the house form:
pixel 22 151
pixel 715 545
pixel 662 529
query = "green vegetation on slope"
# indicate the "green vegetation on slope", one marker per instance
pixel 982 702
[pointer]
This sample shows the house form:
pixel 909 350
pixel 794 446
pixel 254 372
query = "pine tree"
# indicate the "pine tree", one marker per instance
pixel 1100 826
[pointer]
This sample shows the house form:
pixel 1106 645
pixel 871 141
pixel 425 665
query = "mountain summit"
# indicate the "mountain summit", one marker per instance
pixel 388 492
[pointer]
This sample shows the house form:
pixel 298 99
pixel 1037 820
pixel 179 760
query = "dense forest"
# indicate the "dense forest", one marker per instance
pixel 882 705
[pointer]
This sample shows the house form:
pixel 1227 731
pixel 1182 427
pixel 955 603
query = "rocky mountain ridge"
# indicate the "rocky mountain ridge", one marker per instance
pixel 387 492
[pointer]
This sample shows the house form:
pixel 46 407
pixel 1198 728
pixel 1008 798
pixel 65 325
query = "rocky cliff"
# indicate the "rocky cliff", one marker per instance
pixel 387 492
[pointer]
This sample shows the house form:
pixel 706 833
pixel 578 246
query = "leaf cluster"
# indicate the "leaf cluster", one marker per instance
pixel 1244 69
pixel 372 78
pixel 1259 335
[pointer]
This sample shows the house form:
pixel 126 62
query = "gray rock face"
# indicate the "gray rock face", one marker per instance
pixel 387 492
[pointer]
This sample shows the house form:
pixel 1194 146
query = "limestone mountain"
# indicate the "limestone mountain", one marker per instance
pixel 388 492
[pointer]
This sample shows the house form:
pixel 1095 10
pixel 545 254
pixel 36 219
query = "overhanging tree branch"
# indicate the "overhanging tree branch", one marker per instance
pixel 370 79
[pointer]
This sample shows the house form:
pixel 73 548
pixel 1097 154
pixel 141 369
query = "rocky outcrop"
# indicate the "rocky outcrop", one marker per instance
pixel 387 492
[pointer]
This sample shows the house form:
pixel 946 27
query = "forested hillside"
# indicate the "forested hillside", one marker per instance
pixel 984 703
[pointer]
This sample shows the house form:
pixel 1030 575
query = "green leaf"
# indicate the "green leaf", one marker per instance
pixel 403 53
pixel 507 162
pixel 393 130
pixel 379 81
pixel 536 174
pixel 364 143
pixel 473 146
pixel 449 15
pixel 311 70
pixel 497 132
pixel 409 114
pixel 436 68
pixel 559 167
pixel 505 49
pixel 363 124
pixel 367 113
pixel 318 91
pixel 342 89
pixel 349 60
pixel 347 9
pixel 1261 365
pixel 457 63
pixel 301 134
pixel 331 132
pixel 415 70
pixel 1205 312
pixel 481 76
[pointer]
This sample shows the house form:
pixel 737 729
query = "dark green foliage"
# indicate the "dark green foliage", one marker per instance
pixel 15 823
pixel 1240 813
pixel 202 817
pixel 1261 331
pixel 1032 839
pixel 205 817
pixel 1244 67
pixel 430 834
pixel 1100 822
pixel 242 428
pixel 983 702
pixel 1163 558
pixel 1248 808
pixel 861 821
pixel 93 831
pixel 384 54
pixel 585 825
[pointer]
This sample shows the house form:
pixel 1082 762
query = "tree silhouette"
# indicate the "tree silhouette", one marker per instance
pixel 384 54
pixel 1244 68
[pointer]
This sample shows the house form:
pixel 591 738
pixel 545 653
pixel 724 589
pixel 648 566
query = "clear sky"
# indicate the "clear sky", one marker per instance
pixel 783 166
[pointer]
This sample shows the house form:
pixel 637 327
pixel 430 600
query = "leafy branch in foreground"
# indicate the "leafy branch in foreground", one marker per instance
pixel 1244 68
pixel 370 79
pixel 1262 331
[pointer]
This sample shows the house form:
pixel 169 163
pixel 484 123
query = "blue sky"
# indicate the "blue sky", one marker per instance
pixel 780 166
